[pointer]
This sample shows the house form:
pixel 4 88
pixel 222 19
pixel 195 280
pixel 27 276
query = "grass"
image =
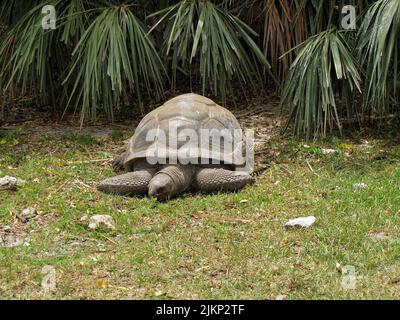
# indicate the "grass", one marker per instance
pixel 203 246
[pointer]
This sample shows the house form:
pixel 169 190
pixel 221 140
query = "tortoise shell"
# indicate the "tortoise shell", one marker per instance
pixel 169 131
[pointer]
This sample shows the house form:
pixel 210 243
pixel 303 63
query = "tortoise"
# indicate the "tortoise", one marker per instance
pixel 166 164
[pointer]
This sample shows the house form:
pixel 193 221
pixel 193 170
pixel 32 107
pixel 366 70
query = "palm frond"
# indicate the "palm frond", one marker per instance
pixel 25 54
pixel 114 55
pixel 74 21
pixel 309 87
pixel 199 32
pixel 378 49
pixel 285 27
pixel 12 10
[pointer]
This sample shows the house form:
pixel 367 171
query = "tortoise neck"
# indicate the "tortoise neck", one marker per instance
pixel 181 175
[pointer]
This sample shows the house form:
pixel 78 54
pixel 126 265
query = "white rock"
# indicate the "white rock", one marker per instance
pixel 11 241
pixel 380 236
pixel 303 222
pixel 6 229
pixel 360 186
pixel 27 214
pixel 328 151
pixel 159 293
pixel 8 183
pixel 101 222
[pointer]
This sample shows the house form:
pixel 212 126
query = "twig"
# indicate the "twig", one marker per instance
pixel 285 169
pixel 201 268
pixel 83 184
pixel 253 112
pixel 15 121
pixel 312 170
pixel 89 161
pixel 110 240
pixel 58 189
pixel 371 119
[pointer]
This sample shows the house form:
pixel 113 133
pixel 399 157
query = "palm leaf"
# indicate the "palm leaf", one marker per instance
pixel 378 47
pixel 200 33
pixel 25 55
pixel 285 27
pixel 309 87
pixel 114 55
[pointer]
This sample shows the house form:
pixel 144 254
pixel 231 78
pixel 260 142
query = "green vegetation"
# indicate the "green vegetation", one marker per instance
pixel 204 246
pixel 312 95
pixel 107 56
pixel 111 57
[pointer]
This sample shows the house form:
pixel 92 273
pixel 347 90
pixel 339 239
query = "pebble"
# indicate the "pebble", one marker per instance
pixel 11 241
pixel 10 183
pixel 101 222
pixel 360 186
pixel 328 151
pixel 303 222
pixel 27 214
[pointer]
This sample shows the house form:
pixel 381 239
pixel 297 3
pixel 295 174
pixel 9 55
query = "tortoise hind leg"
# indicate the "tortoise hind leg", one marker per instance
pixel 130 183
pixel 219 179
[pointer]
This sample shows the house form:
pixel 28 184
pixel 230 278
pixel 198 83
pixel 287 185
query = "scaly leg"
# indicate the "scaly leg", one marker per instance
pixel 130 183
pixel 219 179
pixel 118 163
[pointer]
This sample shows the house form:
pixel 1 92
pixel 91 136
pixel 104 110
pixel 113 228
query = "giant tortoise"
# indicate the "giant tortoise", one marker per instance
pixel 189 143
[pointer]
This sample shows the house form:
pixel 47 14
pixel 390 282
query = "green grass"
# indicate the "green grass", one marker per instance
pixel 204 246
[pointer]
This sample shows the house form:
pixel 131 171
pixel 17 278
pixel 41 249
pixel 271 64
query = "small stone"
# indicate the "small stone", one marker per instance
pixel 280 297
pixel 360 186
pixel 159 293
pixel 328 151
pixel 10 183
pixel 6 229
pixel 303 222
pixel 380 236
pixel 11 241
pixel 27 214
pixel 101 222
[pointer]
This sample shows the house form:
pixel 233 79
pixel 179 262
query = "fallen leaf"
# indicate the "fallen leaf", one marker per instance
pixel 102 283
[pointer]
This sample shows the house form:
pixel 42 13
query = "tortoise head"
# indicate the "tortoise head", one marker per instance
pixel 171 180
pixel 162 187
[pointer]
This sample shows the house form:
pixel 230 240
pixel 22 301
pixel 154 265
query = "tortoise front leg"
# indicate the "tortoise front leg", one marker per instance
pixel 118 163
pixel 219 179
pixel 131 183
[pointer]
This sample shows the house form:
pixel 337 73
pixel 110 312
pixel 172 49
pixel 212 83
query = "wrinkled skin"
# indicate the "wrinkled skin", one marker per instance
pixel 118 163
pixel 166 181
